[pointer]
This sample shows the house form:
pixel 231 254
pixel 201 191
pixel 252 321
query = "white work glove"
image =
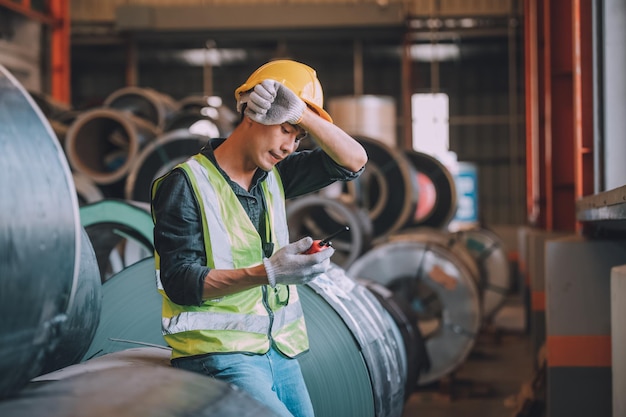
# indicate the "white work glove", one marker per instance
pixel 271 103
pixel 290 266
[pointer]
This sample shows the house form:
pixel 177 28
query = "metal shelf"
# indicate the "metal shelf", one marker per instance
pixel 603 212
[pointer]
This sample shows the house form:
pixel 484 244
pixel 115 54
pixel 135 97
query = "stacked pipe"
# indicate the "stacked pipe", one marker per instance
pixel 138 133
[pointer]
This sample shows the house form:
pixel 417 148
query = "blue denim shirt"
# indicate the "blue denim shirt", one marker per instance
pixel 178 227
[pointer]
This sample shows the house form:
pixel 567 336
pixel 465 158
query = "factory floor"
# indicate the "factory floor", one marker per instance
pixel 494 381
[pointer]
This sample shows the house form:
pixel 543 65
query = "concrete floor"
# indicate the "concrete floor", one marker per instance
pixel 494 379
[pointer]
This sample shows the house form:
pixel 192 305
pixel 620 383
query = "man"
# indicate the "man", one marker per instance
pixel 225 267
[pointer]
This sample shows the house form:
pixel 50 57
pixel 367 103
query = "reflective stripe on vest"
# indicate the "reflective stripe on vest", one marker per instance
pixel 237 322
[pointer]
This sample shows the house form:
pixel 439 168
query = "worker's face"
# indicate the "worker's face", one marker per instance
pixel 271 144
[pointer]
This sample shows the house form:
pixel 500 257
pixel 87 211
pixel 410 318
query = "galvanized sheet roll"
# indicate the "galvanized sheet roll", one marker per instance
pixel 441 291
pixel 157 158
pixel 131 311
pixel 131 391
pixel 83 317
pixel 488 250
pixel 318 216
pixel 377 336
pixel 39 237
pixel 437 201
pixel 387 188
pixel 351 371
pixel 120 232
pixel 447 240
pixel 416 358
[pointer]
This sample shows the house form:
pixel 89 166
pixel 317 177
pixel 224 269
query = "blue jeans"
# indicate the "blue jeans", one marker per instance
pixel 272 379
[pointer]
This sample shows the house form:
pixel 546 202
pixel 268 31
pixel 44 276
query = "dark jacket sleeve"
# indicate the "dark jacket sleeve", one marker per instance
pixel 311 170
pixel 178 240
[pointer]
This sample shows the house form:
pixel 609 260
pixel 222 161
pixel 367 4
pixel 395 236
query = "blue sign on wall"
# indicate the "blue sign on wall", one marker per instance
pixel 466 182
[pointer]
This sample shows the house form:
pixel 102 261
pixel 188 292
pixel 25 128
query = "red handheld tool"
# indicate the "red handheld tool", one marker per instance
pixel 320 245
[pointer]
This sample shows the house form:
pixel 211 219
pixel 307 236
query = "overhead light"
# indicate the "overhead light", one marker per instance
pixel 428 52
pixel 214 56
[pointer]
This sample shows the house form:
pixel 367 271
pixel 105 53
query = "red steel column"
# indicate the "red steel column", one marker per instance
pixel 60 50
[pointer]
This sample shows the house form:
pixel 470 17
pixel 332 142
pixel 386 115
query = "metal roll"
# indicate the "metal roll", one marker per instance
pixel 39 237
pixel 51 108
pixel 147 104
pixel 415 359
pixel 103 143
pixel 147 390
pixel 120 232
pixel 131 312
pixel 83 317
pixel 447 240
pixel 488 250
pixel 157 158
pixel 387 188
pixel 437 201
pixel 351 370
pixel 440 289
pixel 319 216
pixel 367 115
pixel 212 107
pixel 379 344
pixel 194 123
pixel 86 190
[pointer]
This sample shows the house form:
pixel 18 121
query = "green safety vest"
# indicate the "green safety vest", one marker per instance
pixel 250 320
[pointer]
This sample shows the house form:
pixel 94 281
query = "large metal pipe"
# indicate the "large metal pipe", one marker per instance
pixel 145 103
pixel 39 237
pixel 103 143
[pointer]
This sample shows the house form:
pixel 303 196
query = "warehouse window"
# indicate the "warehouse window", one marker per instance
pixel 429 114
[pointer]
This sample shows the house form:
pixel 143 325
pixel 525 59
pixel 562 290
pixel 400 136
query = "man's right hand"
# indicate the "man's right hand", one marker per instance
pixel 289 265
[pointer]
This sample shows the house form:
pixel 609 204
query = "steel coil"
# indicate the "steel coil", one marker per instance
pixel 147 104
pixel 83 317
pixel 488 250
pixel 447 240
pixel 146 389
pixel 387 188
pixel 437 201
pixel 212 107
pixel 120 232
pixel 157 158
pixel 103 143
pixel 86 190
pixel 318 216
pixel 39 237
pixel 131 312
pixel 415 359
pixel 440 289
pixel 379 343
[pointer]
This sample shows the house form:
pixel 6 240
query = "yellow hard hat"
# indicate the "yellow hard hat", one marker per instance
pixel 298 77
